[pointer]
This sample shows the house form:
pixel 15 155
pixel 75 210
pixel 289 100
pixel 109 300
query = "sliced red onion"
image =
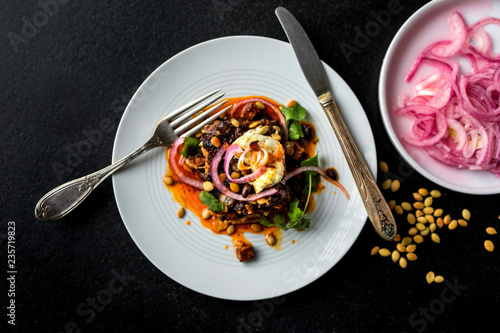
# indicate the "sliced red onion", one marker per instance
pixel 231 151
pixel 318 170
pixel 459 30
pixel 224 190
pixel 277 111
pixel 177 170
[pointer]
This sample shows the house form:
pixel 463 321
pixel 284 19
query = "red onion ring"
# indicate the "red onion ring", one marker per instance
pixel 227 192
pixel 318 170
pixel 234 149
pixel 177 170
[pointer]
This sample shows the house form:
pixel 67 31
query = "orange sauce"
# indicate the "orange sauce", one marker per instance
pixel 188 197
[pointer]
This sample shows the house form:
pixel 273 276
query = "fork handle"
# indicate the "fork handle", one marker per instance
pixel 376 206
pixel 66 197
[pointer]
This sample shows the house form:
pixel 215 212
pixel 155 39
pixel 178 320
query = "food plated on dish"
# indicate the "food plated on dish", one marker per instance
pixel 254 170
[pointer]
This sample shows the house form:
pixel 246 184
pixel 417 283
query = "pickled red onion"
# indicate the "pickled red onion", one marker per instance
pixel 177 170
pixel 231 151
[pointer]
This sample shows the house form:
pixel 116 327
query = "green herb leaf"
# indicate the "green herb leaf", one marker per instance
pixel 209 200
pixel 191 146
pixel 294 213
pixel 295 130
pixel 295 113
pixel 265 222
pixel 313 161
pixel 280 222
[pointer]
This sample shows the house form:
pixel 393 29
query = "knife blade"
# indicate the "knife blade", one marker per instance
pixel 376 206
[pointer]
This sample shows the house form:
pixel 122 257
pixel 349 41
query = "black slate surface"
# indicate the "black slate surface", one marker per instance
pixel 83 64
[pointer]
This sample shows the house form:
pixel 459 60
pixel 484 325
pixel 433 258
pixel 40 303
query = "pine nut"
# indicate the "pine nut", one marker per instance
pixel 234 187
pixel 403 263
pixel 392 204
pixel 491 231
pixel 424 232
pixel 259 105
pixel 215 141
pixel 418 205
pixel 430 277
pixel 383 166
pixel 488 245
pixel 428 202
pixel 271 240
pixel 435 194
pixel 438 212
pixel 180 212
pixel 406 206
pixel 421 219
pixel 418 239
pixel 254 124
pixel 432 227
pixel 419 213
pixel 169 181
pixel 261 201
pixel 417 196
pixel 235 175
pixel 462 222
pixel 435 238
pixel 447 219
pixel 222 177
pixel 231 229
pixel 291 103
pixel 411 218
pixel 428 210
pixel 208 186
pixel 420 226
pixel 411 248
pixel 439 222
pixel 411 256
pixel 395 185
pixel 235 122
pixel 429 218
pixel 384 252
pixel 206 214
pixel 406 241
pixel 386 184
pixel 398 210
pixel 423 192
pixel 395 256
pixel 466 214
pixel 439 279
pixel 375 250
pixel 400 247
pixel 453 224
pixel 412 231
pixel 256 227
pixel 264 130
pixel 276 136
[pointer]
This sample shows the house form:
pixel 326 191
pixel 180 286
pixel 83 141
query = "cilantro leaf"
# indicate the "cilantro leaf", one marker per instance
pixel 265 222
pixel 280 222
pixel 294 213
pixel 209 200
pixel 191 146
pixel 305 223
pixel 313 161
pixel 296 113
pixel 295 130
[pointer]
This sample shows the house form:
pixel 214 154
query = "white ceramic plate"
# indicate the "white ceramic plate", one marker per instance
pixel 194 256
pixel 427 25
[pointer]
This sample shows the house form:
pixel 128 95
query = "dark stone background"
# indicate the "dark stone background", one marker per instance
pixel 84 65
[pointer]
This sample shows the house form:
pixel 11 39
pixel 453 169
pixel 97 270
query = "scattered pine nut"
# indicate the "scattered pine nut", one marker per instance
pixel 412 231
pixel 411 248
pixel 453 224
pixel 208 186
pixel 419 213
pixel 395 185
pixel 206 214
pixel 435 238
pixel 462 222
pixel 386 184
pixel 180 212
pixel 447 219
pixel 429 218
pixel 411 218
pixel 428 202
pixel 425 232
pixel 423 192
pixel 375 250
pixel 488 245
pixel 466 214
pixel 403 263
pixel 418 205
pixel 418 239
pixel 384 252
pixel 428 210
pixel 406 241
pixel 439 222
pixel 432 227
pixel 435 194
pixel 420 226
pixel 439 279
pixel 392 204
pixel 411 256
pixel 438 212
pixel 491 231
pixel 234 187
pixel 398 210
pixel 169 180
pixel 254 124
pixel 406 206
pixel 400 247
pixel 215 141
pixel 395 256
pixel 417 196
pixel 235 122
pixel 383 166
pixel 421 220
pixel 430 277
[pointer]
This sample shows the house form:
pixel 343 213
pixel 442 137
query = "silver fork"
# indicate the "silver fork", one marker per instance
pixel 66 197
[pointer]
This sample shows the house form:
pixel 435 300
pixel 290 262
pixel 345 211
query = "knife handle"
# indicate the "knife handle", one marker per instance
pixel 376 206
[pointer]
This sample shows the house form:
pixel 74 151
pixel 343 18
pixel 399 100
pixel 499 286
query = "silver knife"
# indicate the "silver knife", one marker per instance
pixel 376 206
